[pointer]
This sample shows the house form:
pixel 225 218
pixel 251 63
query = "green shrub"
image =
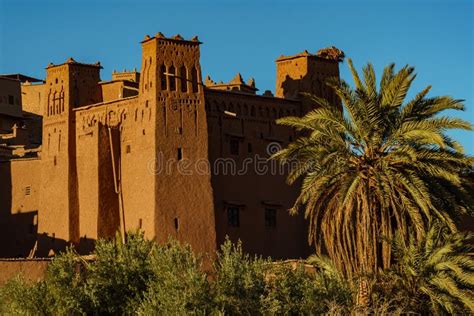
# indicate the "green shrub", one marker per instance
pixel 290 291
pixel 434 276
pixel 239 281
pixel 116 281
pixel 65 284
pixel 179 286
pixel 20 298
pixel 60 293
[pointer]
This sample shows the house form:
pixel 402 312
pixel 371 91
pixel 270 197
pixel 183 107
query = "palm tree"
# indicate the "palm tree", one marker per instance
pixel 434 275
pixel 382 164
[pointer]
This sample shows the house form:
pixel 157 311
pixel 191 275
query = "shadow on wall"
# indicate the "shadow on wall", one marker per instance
pixel 17 228
pixel 19 236
pixel 292 89
pixel 49 246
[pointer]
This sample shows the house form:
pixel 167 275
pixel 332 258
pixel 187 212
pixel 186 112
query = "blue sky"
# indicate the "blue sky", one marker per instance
pixel 247 36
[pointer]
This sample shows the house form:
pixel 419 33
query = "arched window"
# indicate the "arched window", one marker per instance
pixel 144 75
pixel 49 103
pixel 172 78
pixel 164 85
pixel 55 100
pixel 194 79
pixel 61 96
pixel 184 79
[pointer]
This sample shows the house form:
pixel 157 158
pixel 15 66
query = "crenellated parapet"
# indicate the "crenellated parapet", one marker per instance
pixel 176 38
pixel 126 75
pixel 236 84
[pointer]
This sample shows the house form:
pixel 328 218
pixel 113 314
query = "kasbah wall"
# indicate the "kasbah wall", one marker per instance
pixel 116 155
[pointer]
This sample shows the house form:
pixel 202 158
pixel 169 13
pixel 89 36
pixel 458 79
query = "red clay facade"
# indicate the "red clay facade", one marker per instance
pixel 156 150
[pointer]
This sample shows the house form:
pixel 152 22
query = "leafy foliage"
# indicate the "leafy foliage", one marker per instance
pixel 239 284
pixel 381 165
pixel 434 274
pixel 120 273
pixel 296 291
pixel 179 285
pixel 19 298
pixel 141 277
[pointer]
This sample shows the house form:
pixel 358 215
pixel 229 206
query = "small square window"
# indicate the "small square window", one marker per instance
pixel 233 216
pixel 180 153
pixel 128 149
pixel 28 190
pixel 234 147
pixel 270 217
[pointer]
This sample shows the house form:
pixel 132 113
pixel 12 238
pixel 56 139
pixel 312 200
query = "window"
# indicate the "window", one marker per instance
pixel 180 153
pixel 10 99
pixel 28 190
pixel 172 78
pixel 233 218
pixel 127 149
pixel 194 79
pixel 140 223
pixel 176 223
pixel 249 147
pixel 234 147
pixel 164 85
pixel 183 78
pixel 270 217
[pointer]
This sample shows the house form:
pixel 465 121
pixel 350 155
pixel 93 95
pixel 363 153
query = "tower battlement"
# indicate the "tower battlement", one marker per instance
pixel 306 73
pixel 236 84
pixel 127 75
pixel 176 38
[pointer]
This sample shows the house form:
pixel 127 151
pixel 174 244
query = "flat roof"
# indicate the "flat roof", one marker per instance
pixel 21 77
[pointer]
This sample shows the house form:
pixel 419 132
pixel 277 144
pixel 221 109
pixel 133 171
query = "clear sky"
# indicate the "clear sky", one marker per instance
pixel 247 36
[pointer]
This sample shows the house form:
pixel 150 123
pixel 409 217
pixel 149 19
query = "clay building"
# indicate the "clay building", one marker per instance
pixel 156 150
